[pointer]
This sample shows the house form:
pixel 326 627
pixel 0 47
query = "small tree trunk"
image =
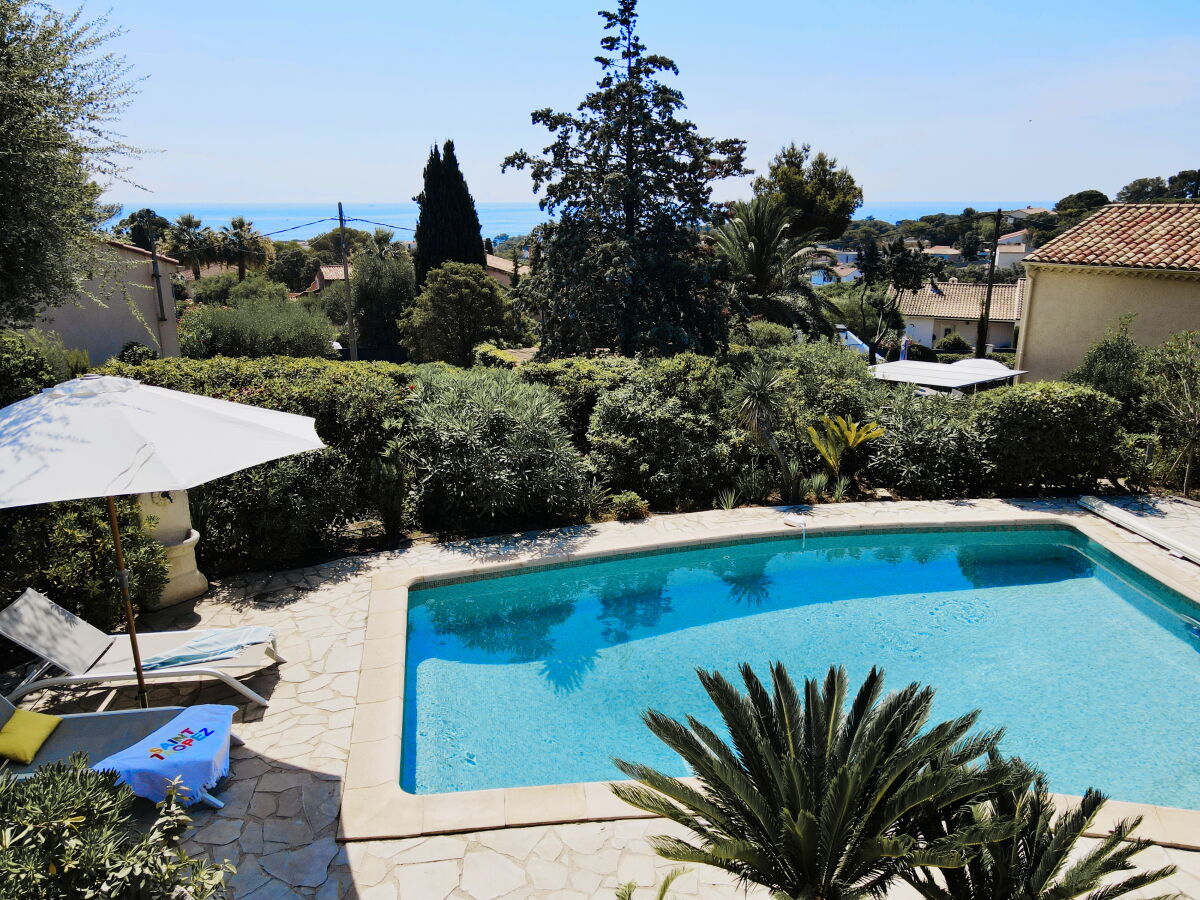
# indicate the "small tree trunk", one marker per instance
pixel 195 269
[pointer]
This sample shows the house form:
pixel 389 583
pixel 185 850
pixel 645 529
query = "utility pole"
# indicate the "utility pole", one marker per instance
pixel 984 318
pixel 351 325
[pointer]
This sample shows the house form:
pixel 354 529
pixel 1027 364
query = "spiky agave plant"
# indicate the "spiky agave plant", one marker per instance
pixel 1035 861
pixel 809 798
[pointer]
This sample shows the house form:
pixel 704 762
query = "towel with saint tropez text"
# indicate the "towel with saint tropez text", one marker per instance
pixel 193 746
pixel 221 643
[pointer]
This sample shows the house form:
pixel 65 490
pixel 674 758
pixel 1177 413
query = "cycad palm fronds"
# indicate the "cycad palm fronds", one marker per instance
pixel 1030 856
pixel 810 798
pixel 625 891
pixel 839 434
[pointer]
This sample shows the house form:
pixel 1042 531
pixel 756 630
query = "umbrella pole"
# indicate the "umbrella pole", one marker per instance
pixel 123 580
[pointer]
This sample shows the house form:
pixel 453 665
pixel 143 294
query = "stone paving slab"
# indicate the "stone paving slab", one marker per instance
pixel 280 822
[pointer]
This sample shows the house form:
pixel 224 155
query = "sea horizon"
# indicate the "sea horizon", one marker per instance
pixel 300 221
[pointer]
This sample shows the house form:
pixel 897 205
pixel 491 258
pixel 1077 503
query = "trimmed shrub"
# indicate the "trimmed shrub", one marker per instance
pixel 257 287
pixel 492 357
pixel 627 506
pixel 259 326
pixel 24 368
pixel 930 448
pixel 578 382
pixel 667 434
pixel 286 511
pixel 1002 358
pixel 70 833
pixel 1049 435
pixel 954 343
pixel 65 550
pixel 490 450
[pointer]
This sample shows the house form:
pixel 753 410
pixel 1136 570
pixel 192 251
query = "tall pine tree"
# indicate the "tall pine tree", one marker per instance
pixel 447 224
pixel 631 183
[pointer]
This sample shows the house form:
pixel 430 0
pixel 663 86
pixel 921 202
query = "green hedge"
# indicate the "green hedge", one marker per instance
pixel 65 550
pixel 285 511
pixel 579 382
pixel 1049 435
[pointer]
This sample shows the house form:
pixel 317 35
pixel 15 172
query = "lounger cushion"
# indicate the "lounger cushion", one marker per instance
pixel 24 733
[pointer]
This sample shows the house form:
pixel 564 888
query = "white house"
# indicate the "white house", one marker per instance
pixel 950 307
pixel 839 273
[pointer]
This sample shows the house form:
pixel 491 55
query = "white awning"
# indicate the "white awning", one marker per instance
pixel 964 373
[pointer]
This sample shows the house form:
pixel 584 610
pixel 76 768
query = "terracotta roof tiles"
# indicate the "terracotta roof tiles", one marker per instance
pixel 964 300
pixel 1130 235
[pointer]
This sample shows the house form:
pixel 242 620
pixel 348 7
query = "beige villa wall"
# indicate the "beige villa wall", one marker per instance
pixel 104 330
pixel 1067 309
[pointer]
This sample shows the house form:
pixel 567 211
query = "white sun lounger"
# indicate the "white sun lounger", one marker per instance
pixel 87 655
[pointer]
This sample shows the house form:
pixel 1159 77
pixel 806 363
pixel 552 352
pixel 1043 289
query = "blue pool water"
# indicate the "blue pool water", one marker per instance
pixel 541 677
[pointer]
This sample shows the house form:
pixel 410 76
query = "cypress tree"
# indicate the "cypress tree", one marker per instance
pixel 447 224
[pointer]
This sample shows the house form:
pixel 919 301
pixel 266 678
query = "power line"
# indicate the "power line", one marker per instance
pixel 381 224
pixel 305 225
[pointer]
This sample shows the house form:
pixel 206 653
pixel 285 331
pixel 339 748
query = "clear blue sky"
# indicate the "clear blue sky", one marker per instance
pixel 274 101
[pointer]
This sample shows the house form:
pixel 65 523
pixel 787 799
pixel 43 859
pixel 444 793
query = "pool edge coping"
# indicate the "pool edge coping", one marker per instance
pixel 375 807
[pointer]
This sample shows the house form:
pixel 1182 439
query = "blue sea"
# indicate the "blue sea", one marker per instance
pixel 298 221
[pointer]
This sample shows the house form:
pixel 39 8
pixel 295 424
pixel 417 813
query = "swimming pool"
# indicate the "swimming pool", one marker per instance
pixel 540 677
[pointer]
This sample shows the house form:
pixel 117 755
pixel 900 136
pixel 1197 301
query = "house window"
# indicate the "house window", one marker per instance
pixel 947 332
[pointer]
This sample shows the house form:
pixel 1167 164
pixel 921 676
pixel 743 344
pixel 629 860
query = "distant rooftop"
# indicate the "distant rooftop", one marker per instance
pixel 964 300
pixel 1130 235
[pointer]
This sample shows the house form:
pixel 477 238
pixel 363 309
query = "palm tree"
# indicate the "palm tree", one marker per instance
pixel 1035 859
pixel 190 242
pixel 810 799
pixel 773 267
pixel 243 245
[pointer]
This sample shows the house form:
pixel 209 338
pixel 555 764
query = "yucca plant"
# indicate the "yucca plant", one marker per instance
pixel 814 485
pixel 839 435
pixel 1036 860
pixel 727 498
pixel 840 486
pixel 811 799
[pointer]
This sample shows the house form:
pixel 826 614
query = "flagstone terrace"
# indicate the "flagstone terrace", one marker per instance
pixel 289 797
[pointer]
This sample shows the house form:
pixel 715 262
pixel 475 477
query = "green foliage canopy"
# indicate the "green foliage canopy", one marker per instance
pixel 820 196
pixel 447 223
pixel 631 183
pixel 460 306
pixel 60 93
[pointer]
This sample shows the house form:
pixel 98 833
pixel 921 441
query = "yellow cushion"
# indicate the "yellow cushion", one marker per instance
pixel 23 735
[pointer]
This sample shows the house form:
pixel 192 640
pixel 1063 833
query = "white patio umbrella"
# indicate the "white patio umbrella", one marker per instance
pixel 102 436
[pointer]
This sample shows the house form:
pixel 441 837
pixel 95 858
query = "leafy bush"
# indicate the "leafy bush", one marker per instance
pixel 24 368
pixel 627 506
pixel 1049 435
pixel 490 356
pixel 294 266
pixel 490 450
pixel 930 448
pixel 763 334
pixel 135 353
pixel 258 326
pixel 286 510
pixel 65 550
pixel 578 382
pixel 68 833
pixel 667 433
pixel 213 289
pixel 954 343
pixel 460 306
pixel 257 286
pixel 1118 366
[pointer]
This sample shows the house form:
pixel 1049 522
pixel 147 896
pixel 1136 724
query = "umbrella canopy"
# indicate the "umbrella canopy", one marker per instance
pixel 99 436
